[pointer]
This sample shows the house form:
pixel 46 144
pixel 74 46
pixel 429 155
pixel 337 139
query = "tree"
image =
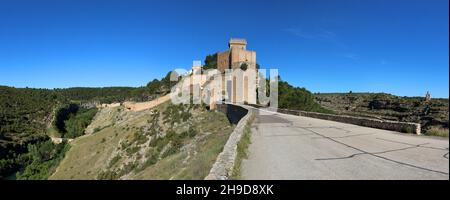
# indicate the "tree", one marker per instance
pixel 244 66
pixel 210 62
pixel 77 122
pixel 154 86
pixel 297 98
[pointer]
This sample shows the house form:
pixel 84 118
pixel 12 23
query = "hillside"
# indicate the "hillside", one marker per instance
pixel 166 142
pixel 24 118
pixel 28 116
pixel 433 115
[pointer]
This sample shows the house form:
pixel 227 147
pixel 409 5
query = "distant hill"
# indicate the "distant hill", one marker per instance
pixel 430 114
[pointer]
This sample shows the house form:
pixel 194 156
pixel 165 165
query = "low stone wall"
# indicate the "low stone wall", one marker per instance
pixel 361 121
pixel 223 167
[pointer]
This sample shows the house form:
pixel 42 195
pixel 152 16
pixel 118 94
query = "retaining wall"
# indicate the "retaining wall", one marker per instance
pixel 223 167
pixel 361 121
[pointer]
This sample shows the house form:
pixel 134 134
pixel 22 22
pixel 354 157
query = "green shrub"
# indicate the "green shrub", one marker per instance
pixel 149 162
pixel 127 168
pixel 408 130
pixel 210 62
pixel 296 98
pixel 108 175
pixel 114 160
pixel 244 66
pixel 140 137
pixel 131 151
pixel 192 132
pixel 77 122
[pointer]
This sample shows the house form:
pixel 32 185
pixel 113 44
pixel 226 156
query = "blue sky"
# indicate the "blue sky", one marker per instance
pixel 394 46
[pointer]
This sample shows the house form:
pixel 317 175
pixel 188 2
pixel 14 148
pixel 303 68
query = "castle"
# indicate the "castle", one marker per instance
pixel 236 56
pixel 230 85
pixel 239 86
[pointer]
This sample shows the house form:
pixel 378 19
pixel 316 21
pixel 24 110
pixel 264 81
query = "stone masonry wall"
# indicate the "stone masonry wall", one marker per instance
pixel 223 167
pixel 361 121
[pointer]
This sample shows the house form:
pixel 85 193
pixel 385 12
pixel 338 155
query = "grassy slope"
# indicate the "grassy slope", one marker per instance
pixel 92 154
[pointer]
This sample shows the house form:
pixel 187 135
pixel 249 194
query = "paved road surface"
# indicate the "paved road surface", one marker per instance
pixel 292 147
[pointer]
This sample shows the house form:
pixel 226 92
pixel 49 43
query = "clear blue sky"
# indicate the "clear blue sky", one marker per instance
pixel 394 46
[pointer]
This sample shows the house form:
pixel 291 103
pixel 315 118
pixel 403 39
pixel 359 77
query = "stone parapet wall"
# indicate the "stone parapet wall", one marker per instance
pixel 407 127
pixel 223 167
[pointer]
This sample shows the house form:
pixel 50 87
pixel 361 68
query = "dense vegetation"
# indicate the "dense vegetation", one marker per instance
pixel 295 98
pixel 34 156
pixel 24 112
pixel 24 115
pixel 101 95
pixel 162 86
pixel 210 62
pixel 41 160
pixel 71 121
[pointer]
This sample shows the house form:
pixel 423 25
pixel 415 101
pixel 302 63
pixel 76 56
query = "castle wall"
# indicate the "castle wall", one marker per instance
pixel 236 57
pixel 239 56
pixel 242 88
pixel 223 61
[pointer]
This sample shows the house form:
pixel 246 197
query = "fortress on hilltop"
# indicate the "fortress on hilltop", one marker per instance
pixel 236 56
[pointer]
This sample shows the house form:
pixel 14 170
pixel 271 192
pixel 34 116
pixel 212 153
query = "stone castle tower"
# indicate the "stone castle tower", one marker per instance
pixel 239 88
pixel 236 55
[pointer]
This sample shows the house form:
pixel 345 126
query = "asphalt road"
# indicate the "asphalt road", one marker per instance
pixel 292 147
